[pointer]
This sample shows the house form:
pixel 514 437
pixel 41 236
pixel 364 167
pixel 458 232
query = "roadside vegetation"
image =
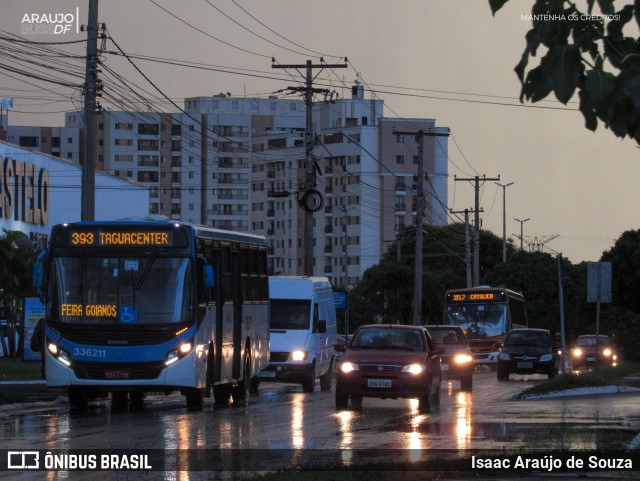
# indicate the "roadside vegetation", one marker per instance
pixel 15 369
pixel 603 376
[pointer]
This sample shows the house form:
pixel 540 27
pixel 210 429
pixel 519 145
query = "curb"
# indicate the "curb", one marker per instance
pixel 582 391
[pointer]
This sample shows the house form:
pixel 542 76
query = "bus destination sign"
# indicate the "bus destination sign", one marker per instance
pixel 127 238
pixel 475 296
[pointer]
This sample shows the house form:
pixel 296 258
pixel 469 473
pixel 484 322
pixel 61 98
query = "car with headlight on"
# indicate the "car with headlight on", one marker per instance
pixel 527 351
pixel 457 361
pixel 583 352
pixel 389 362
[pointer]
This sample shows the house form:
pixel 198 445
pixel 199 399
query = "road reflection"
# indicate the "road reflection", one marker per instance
pixel 463 420
pixel 297 421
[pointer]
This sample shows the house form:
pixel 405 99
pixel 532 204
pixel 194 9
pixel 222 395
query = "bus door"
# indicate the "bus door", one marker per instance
pixel 220 302
pixel 237 312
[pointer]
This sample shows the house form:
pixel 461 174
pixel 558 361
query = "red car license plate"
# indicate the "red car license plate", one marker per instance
pixel 379 383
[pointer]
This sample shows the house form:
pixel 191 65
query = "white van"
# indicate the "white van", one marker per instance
pixel 303 332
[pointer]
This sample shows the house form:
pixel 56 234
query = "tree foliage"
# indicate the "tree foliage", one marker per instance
pixel 588 52
pixel 385 293
pixel 18 256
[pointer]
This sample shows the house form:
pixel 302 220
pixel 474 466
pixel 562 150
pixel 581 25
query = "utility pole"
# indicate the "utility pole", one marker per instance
pixel 504 220
pixel 310 170
pixel 476 228
pixel 467 243
pixel 417 285
pixel 88 201
pixel 521 229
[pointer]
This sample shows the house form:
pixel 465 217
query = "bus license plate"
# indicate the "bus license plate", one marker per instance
pixel 116 374
pixel 379 383
pixel 525 365
pixel 444 367
pixel 267 374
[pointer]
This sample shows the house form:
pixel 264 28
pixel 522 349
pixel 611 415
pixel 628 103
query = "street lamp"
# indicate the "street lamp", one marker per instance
pixel 504 219
pixel 521 224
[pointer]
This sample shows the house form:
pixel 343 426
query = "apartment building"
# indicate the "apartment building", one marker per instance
pixel 239 164
pixel 62 142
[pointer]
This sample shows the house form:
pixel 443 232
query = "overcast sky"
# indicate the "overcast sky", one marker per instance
pixel 449 60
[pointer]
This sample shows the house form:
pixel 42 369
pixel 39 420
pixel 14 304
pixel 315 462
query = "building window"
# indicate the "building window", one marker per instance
pixel 148 129
pixel 399 159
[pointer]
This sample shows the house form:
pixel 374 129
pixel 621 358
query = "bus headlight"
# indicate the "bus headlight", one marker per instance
pixel 414 369
pixel 348 367
pixel 299 356
pixel 176 354
pixel 463 359
pixel 577 352
pixel 59 353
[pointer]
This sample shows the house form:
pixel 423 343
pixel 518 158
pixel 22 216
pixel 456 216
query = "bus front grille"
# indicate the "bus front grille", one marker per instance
pixel 114 372
pixel 104 335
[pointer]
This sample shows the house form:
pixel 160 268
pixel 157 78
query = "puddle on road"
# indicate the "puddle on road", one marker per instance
pixel 573 436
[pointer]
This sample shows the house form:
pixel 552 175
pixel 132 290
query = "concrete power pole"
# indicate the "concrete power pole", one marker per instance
pixel 417 285
pixel 467 243
pixel 88 201
pixel 310 172
pixel 504 219
pixel 476 228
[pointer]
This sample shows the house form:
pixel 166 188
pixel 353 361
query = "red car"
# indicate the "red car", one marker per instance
pixel 583 353
pixel 389 361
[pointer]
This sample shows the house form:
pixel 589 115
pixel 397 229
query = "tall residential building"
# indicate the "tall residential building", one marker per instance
pixel 239 164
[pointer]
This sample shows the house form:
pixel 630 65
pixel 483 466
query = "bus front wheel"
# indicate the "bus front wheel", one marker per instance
pixel 195 399
pixel 78 398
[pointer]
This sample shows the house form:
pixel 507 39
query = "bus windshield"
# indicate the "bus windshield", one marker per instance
pixel 121 290
pixel 290 314
pixel 478 320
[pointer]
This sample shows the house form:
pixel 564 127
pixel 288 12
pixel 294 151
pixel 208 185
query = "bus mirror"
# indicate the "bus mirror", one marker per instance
pixel 207 276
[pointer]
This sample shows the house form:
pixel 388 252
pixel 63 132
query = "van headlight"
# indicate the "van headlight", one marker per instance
pixel 546 358
pixel 503 356
pixel 606 352
pixel 299 356
pixel 577 352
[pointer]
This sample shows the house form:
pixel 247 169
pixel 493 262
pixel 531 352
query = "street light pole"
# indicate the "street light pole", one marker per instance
pixel 504 219
pixel 521 233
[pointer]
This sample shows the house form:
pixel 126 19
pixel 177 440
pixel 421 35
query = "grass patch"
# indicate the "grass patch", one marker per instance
pixel 15 369
pixel 604 376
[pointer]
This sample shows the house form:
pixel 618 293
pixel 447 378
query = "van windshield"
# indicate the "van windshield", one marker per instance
pixel 290 314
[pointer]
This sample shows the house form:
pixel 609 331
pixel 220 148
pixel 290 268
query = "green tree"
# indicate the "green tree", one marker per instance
pixel 588 52
pixel 625 262
pixel 18 256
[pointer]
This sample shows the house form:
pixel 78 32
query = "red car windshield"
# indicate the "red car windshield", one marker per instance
pixel 388 338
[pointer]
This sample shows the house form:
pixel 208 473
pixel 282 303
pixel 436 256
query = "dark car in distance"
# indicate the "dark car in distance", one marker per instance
pixel 389 362
pixel 527 351
pixel 457 361
pixel 583 352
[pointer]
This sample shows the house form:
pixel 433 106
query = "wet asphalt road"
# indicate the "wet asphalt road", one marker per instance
pixel 282 417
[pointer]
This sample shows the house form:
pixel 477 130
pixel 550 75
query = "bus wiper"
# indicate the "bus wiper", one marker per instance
pixel 147 268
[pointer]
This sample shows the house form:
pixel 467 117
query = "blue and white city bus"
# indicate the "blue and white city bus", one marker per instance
pixel 154 306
